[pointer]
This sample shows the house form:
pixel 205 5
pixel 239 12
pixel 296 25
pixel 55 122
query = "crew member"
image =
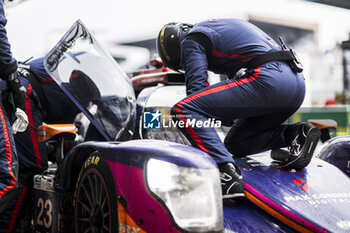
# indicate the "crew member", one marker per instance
pixel 12 95
pixel 265 87
pixel 45 102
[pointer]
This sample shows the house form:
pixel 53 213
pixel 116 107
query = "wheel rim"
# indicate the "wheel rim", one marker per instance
pixel 93 210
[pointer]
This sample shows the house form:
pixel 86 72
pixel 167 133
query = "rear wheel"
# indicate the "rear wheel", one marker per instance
pixel 95 207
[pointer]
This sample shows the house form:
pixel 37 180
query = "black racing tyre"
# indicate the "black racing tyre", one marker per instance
pixel 95 200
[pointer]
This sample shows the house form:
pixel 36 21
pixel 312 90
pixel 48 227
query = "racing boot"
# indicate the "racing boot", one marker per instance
pixel 280 155
pixel 301 139
pixel 231 181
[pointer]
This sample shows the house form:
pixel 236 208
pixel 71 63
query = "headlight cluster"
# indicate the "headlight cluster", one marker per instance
pixel 192 195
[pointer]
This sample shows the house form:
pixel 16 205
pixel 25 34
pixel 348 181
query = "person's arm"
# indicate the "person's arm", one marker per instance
pixel 8 64
pixel 194 51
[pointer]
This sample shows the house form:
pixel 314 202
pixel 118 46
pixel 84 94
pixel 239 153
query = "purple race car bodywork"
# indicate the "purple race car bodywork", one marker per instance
pixel 115 182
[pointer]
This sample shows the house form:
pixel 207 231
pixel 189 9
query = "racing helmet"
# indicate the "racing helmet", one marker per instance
pixel 168 43
pixel 337 152
pixel 84 89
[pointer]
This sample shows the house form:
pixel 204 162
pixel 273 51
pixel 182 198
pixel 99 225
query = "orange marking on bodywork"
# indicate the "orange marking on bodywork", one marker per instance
pixel 126 223
pixel 275 214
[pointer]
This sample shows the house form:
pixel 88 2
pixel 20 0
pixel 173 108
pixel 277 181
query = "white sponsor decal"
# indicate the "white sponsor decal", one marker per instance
pixel 322 198
pixel 344 224
pixel 124 228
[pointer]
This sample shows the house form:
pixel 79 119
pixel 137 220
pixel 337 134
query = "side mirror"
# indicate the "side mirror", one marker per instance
pixel 56 132
pixel 327 126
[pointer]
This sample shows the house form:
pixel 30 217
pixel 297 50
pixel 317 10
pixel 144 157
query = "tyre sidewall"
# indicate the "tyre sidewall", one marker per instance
pixel 97 164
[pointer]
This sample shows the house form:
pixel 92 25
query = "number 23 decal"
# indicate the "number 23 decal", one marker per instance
pixel 45 215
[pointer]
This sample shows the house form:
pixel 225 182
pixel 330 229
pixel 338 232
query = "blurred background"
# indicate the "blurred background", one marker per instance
pixel 317 29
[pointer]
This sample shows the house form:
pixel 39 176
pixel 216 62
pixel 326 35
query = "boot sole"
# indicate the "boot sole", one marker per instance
pixel 308 149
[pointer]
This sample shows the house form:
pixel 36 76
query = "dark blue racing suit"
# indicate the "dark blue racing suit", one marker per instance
pixel 8 154
pixel 259 101
pixel 32 155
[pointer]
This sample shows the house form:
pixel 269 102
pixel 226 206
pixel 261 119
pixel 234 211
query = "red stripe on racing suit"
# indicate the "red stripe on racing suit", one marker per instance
pixel 32 128
pixel 16 210
pixel 232 56
pixel 208 92
pixel 8 153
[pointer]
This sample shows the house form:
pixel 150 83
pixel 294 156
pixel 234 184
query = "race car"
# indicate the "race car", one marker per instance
pixel 130 174
pixel 108 182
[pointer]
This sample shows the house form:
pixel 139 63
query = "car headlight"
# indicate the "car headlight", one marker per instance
pixel 192 195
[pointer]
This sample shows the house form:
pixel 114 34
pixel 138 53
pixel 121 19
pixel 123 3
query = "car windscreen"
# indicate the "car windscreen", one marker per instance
pixel 93 81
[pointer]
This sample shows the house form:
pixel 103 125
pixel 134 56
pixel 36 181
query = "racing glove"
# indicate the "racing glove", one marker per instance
pixel 21 121
pixel 15 86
